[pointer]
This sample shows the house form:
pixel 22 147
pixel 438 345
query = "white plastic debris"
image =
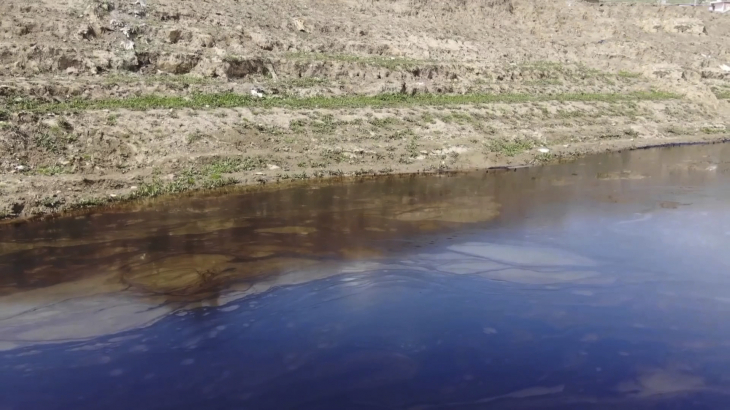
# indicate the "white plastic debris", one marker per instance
pixel 544 150
pixel 128 45
pixel 725 67
pixel 719 7
pixel 256 93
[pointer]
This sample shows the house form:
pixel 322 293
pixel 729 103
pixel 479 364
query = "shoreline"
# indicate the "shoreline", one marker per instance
pixel 251 186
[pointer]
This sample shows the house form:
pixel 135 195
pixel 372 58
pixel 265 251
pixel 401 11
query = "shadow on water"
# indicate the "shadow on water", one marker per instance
pixel 596 284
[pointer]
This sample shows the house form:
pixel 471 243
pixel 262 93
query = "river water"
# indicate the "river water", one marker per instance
pixel 602 283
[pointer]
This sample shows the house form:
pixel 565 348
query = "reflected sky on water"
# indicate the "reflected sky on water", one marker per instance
pixel 602 283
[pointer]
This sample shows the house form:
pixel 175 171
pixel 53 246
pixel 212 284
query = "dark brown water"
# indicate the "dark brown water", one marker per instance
pixel 603 283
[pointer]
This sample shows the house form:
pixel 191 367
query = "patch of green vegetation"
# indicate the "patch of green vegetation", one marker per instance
pixel 234 164
pixel 627 133
pixel 428 118
pixel 304 82
pixel 158 187
pixel 383 122
pixel 326 124
pixel 231 100
pixel 723 94
pixel 51 202
pixel 298 125
pixel 628 74
pixel 195 137
pixel 48 141
pixel 547 68
pixel 510 148
pixel 4 115
pixel 89 202
pixel 544 157
pixel 456 117
pixel 332 155
pixel 51 170
pixel 412 146
pixel 713 130
pixel 112 120
pixel 213 183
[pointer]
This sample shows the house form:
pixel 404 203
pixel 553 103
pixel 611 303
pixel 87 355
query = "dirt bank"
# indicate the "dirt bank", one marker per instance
pixel 110 100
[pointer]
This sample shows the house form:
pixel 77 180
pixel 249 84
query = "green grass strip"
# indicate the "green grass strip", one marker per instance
pixel 231 100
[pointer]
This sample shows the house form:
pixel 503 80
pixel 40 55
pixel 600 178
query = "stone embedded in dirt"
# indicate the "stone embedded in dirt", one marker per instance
pixel 177 63
pixel 273 167
pixel 173 35
pixel 261 40
pixel 203 41
pixel 68 61
pixel 243 67
pixel 299 25
pixel 86 32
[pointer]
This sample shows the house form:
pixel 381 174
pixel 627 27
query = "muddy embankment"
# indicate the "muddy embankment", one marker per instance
pixel 104 101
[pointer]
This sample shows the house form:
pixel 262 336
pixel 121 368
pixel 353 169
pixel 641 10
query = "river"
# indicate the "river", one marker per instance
pixel 600 283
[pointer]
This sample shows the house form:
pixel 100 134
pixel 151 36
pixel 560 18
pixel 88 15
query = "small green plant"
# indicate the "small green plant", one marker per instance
pixel 326 124
pixel 412 146
pixel 195 137
pixel 112 120
pixel 713 130
pixel 51 202
pixel 89 202
pixel 383 122
pixel 216 181
pixel 48 142
pixel 51 170
pixel 510 148
pixel 628 74
pixel 234 164
pixel 544 157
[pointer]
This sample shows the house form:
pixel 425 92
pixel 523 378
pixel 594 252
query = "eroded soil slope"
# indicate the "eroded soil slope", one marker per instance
pixel 108 100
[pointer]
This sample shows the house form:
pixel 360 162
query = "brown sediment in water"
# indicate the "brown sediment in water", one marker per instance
pixel 62 278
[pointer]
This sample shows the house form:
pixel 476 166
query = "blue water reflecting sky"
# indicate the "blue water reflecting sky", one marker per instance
pixel 615 300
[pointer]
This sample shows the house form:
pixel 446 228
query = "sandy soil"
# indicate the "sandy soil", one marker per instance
pixel 104 101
